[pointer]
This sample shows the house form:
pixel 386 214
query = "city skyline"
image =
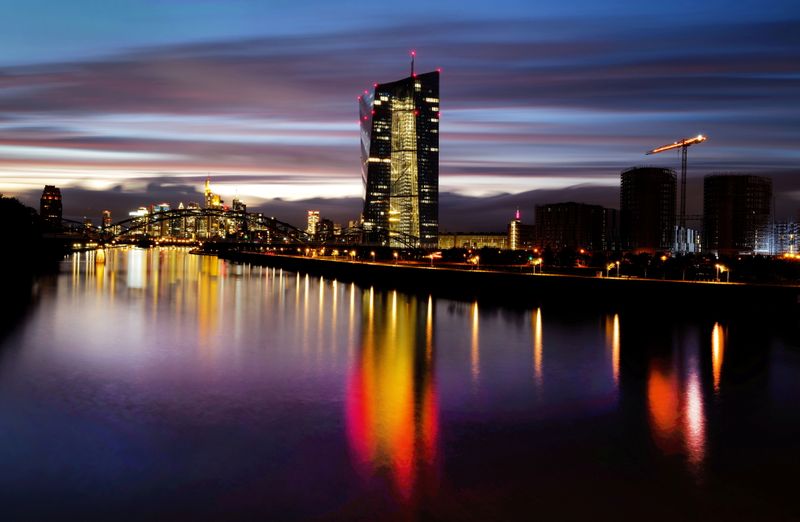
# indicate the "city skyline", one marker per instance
pixel 543 106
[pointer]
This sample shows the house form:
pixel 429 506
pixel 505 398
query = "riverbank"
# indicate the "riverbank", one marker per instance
pixel 663 296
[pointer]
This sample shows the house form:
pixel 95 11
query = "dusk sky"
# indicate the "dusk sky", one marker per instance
pixel 130 102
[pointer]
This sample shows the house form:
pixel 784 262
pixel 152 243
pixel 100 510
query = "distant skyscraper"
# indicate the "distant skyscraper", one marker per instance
pixel 514 232
pixel 212 200
pixel 736 213
pixel 50 205
pixel 106 219
pixel 400 161
pixel 647 209
pixel 313 222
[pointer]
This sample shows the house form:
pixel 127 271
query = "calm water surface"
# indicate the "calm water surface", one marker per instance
pixel 164 385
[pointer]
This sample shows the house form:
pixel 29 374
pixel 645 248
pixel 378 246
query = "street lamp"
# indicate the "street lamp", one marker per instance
pixel 723 268
pixel 475 260
pixel 617 263
pixel 373 255
pixel 395 258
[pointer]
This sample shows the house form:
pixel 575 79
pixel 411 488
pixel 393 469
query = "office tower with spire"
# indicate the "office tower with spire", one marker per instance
pixel 400 161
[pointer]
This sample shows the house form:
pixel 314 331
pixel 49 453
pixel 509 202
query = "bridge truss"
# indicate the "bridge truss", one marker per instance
pixel 212 224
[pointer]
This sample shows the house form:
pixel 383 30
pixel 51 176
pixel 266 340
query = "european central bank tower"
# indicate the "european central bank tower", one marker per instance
pixel 400 162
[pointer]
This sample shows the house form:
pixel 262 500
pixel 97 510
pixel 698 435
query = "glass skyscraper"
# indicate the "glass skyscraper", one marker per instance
pixel 400 161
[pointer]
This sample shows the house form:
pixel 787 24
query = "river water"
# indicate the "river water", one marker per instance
pixel 163 385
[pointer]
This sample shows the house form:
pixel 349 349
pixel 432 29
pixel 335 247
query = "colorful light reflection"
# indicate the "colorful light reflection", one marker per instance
pixel 392 412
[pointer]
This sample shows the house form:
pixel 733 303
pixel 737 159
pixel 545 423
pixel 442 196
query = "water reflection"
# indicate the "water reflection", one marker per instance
pixel 536 321
pixel 612 342
pixel 676 402
pixel 694 421
pixel 474 352
pixel 392 418
pixel 307 393
pixel 717 353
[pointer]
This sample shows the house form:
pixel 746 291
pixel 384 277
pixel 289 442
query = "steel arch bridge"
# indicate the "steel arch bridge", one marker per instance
pixel 205 223
pixel 202 224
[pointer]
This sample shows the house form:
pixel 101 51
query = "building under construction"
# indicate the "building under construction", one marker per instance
pixel 736 214
pixel 647 209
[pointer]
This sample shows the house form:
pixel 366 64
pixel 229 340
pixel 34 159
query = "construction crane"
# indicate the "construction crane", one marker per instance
pixel 683 145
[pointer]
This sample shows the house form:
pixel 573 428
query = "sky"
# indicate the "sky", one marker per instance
pixel 125 103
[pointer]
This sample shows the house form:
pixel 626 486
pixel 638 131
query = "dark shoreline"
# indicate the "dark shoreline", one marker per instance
pixel 568 291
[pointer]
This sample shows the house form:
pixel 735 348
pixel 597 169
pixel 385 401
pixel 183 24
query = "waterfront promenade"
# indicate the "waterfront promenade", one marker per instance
pixel 668 296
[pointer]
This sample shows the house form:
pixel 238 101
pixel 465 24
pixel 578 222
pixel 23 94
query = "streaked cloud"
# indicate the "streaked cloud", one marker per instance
pixel 532 99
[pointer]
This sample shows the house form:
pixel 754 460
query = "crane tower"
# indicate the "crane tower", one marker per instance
pixel 683 144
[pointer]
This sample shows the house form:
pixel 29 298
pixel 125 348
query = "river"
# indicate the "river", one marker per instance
pixel 163 385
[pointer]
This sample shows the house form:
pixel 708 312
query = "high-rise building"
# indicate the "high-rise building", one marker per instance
pixel 212 200
pixel 576 226
pixel 325 230
pixel 400 161
pixel 50 206
pixel 736 213
pixel 647 209
pixel 786 237
pixel 312 223
pixel 513 232
pixel 106 219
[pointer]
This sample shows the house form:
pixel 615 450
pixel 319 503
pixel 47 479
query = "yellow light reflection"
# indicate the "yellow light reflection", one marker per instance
pixel 208 301
pixel 351 322
pixel 391 405
pixel 320 313
pixel 536 321
pixel 429 331
pixel 717 353
pixel 475 345
pixel 137 271
pixel 334 310
pixel 612 341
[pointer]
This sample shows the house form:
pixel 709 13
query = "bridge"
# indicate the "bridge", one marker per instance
pixel 216 224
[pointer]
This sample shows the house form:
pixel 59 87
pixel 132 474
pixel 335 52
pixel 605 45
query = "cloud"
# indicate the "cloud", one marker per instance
pixel 527 105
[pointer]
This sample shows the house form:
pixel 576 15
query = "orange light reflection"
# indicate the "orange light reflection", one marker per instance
pixel 717 353
pixel 391 410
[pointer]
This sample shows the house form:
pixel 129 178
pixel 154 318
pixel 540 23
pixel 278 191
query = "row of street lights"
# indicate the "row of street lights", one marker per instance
pixel 535 262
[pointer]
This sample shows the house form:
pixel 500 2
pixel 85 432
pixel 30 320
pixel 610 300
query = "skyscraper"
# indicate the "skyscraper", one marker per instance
pixel 514 242
pixel 647 209
pixel 106 219
pixel 736 213
pixel 313 222
pixel 400 161
pixel 50 206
